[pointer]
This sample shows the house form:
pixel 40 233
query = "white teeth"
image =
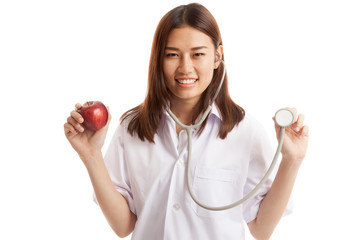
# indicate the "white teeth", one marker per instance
pixel 186 81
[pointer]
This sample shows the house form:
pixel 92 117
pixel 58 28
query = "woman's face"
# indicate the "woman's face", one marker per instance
pixel 189 63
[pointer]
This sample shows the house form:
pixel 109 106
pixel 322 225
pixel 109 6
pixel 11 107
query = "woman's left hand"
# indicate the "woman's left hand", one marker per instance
pixel 295 139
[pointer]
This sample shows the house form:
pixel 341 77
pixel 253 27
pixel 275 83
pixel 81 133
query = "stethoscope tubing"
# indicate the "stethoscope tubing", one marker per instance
pixel 190 130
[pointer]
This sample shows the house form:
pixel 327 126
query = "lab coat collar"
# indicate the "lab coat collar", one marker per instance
pixel 214 111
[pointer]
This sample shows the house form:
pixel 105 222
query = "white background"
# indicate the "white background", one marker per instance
pixel 53 54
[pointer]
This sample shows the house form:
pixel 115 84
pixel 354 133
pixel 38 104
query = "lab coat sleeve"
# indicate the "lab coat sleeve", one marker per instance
pixel 117 168
pixel 261 156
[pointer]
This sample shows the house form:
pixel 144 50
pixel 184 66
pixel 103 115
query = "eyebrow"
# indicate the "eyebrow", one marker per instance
pixel 177 49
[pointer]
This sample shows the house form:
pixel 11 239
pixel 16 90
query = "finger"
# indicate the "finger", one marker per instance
pixel 294 125
pixel 300 122
pixel 69 130
pixel 77 126
pixel 295 112
pixel 305 131
pixel 77 116
pixel 78 106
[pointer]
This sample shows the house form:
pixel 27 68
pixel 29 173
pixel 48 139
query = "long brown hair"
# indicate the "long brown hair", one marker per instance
pixel 145 118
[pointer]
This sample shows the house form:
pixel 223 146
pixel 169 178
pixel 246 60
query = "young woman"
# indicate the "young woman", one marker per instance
pixel 140 185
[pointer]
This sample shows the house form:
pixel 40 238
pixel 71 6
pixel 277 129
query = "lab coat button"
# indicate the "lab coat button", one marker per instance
pixel 176 206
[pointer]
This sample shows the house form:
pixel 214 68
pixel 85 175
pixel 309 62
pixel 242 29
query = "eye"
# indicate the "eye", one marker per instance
pixel 199 54
pixel 171 55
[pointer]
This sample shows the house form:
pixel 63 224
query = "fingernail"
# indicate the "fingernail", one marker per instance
pixel 81 119
pixel 297 129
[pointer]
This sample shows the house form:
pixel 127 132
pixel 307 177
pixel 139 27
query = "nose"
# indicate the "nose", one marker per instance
pixel 186 65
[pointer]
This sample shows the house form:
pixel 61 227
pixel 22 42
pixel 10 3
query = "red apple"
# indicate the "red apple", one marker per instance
pixel 95 115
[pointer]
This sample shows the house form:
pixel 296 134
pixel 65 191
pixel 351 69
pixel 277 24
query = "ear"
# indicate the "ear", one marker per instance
pixel 218 56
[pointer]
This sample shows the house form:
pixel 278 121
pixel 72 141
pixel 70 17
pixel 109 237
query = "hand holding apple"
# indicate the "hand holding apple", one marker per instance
pixel 95 115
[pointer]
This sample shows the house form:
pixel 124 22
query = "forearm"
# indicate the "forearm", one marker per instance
pixel 112 203
pixel 273 205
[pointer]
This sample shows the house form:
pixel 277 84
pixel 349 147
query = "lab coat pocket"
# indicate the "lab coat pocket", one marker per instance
pixel 216 187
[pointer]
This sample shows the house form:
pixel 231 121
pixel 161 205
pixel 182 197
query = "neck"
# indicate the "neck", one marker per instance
pixel 183 110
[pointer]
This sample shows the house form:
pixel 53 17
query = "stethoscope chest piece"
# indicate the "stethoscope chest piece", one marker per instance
pixel 284 117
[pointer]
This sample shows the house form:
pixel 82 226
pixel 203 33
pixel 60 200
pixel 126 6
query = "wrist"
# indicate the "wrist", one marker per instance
pixel 292 156
pixel 91 158
pixel 290 162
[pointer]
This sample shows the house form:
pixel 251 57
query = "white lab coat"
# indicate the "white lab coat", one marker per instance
pixel 152 178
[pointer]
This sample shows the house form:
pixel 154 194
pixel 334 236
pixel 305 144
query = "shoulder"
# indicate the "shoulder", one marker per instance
pixel 250 123
pixel 121 128
pixel 249 128
pixel 129 121
pixel 121 135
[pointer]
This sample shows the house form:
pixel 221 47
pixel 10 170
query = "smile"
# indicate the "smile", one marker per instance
pixel 186 81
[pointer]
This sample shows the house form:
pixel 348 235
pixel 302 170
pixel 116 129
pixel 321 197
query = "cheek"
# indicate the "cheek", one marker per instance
pixel 167 72
pixel 206 67
pixel 207 72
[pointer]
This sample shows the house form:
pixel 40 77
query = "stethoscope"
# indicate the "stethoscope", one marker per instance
pixel 283 118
